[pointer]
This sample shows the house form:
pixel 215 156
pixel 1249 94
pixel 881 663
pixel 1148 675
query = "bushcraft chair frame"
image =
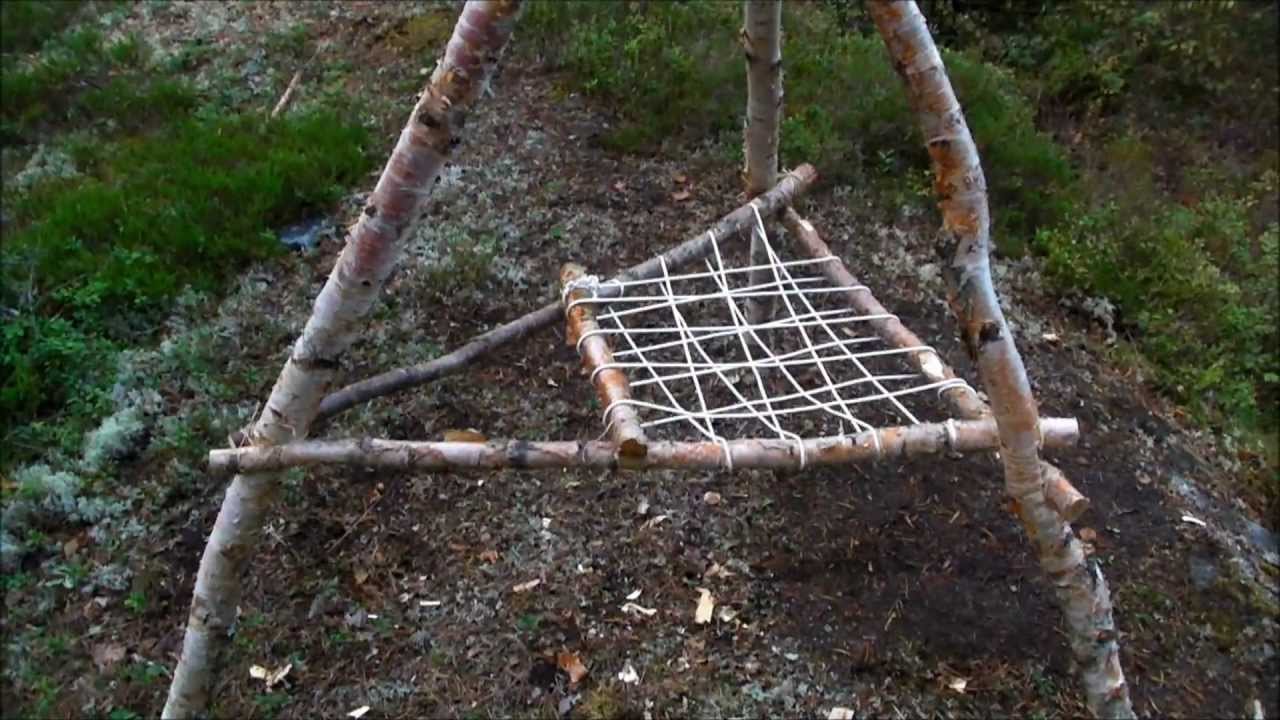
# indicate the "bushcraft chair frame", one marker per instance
pixel 1009 426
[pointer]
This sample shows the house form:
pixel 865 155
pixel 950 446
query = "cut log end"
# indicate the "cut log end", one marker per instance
pixel 633 448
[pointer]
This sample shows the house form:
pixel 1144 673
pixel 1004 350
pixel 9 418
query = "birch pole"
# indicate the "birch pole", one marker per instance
pixel 876 445
pixel 373 246
pixel 762 45
pixel 965 241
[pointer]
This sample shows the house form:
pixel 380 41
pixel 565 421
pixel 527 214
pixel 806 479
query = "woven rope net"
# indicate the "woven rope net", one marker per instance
pixel 698 370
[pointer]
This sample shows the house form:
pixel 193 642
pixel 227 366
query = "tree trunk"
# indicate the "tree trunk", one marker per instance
pixel 965 241
pixel 762 43
pixel 463 73
pixel 868 446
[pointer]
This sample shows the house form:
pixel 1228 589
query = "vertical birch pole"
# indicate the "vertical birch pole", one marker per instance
pixel 372 249
pixel 965 240
pixel 762 44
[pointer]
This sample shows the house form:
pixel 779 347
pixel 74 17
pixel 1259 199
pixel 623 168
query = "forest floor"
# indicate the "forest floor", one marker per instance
pixel 884 589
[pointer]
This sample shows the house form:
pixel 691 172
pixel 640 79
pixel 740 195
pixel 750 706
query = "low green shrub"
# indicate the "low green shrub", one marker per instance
pixel 675 70
pixel 1208 325
pixel 92 262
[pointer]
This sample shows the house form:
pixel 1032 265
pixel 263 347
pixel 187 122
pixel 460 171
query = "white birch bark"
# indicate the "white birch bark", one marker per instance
pixel 964 243
pixel 762 44
pixel 460 77
pixel 869 446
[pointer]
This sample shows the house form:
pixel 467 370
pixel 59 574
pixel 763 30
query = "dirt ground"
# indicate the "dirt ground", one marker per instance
pixel 906 589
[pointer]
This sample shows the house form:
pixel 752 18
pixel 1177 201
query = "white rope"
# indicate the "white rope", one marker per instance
pixel 696 365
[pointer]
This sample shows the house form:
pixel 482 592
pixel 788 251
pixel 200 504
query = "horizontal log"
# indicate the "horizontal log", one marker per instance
pixel 1061 494
pixel 872 445
pixel 792 185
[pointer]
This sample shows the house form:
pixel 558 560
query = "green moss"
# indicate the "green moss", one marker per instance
pixel 424 36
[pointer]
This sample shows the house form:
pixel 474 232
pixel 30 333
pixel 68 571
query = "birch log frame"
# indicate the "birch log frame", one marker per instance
pixel 964 242
pixel 894 443
pixel 762 45
pixel 1064 497
pixel 372 249
pixel 611 383
pixel 792 185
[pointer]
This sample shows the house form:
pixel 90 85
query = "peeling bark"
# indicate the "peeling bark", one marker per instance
pixel 789 187
pixel 770 453
pixel 762 45
pixel 965 242
pixel 1062 495
pixel 611 383
pixel 461 76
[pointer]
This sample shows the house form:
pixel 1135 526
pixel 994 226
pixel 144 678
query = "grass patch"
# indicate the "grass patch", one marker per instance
pixel 79 80
pixel 95 260
pixel 26 24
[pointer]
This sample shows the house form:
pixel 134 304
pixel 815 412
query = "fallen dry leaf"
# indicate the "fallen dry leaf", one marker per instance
pixel 572 665
pixel 655 521
pixel 639 610
pixel 680 178
pixel 958 684
pixel 680 196
pixel 470 435
pixel 711 497
pixel 106 656
pixel 489 556
pixel 527 586
pixel 717 571
pixel 361 575
pixel 840 713
pixel 706 606
pixel 278 675
pixel 1088 534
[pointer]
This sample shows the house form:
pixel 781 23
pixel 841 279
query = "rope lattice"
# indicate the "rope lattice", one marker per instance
pixel 815 369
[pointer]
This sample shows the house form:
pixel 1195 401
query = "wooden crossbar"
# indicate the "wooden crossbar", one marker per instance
pixel 771 453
